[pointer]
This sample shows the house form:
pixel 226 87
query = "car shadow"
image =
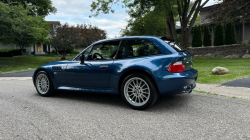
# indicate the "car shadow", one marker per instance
pixel 171 102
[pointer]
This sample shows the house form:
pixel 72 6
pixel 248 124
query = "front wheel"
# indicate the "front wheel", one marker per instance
pixel 43 84
pixel 138 91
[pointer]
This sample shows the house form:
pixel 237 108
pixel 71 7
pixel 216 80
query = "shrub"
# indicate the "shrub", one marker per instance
pixel 74 51
pixel 219 35
pixel 197 38
pixel 230 35
pixel 234 41
pixel 207 36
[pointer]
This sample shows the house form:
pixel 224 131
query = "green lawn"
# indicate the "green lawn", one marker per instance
pixel 238 68
pixel 22 63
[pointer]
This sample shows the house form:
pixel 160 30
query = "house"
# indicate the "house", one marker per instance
pixel 35 49
pixel 242 28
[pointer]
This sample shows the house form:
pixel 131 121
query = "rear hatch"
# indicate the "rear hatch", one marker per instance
pixel 187 57
pixel 188 60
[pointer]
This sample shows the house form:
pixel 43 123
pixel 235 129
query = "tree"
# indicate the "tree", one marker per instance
pixel 145 26
pixel 207 36
pixel 138 8
pixel 197 37
pixel 66 37
pixel 219 35
pixel 231 10
pixel 40 7
pixel 233 33
pixel 18 27
pixel 230 35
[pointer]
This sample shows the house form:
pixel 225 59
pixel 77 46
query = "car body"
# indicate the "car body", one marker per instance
pixel 104 65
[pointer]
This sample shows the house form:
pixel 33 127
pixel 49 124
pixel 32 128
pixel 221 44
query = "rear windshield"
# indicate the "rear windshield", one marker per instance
pixel 173 45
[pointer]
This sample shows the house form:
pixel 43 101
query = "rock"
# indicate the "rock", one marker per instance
pixel 209 55
pixel 220 71
pixel 232 56
pixel 217 55
pixel 246 56
pixel 196 55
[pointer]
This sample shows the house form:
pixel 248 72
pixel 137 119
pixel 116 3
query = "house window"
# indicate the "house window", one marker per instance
pixel 39 47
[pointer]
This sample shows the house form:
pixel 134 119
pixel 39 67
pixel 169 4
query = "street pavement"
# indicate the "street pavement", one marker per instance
pixel 72 115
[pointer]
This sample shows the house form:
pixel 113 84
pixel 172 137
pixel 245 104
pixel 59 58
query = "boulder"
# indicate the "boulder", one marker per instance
pixel 217 55
pixel 232 56
pixel 220 71
pixel 209 55
pixel 246 56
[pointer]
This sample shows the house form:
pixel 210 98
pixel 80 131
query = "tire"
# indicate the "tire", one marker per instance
pixel 43 84
pixel 138 91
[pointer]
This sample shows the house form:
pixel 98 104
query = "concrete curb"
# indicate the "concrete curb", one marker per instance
pixel 238 92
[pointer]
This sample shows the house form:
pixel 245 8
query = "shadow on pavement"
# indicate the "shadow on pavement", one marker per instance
pixel 163 103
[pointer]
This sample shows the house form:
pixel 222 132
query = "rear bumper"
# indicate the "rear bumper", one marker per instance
pixel 175 83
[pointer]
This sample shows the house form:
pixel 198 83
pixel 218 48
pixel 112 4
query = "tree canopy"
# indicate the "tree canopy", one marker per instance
pixel 171 8
pixel 65 36
pixel 40 7
pixel 231 10
pixel 18 27
pixel 145 26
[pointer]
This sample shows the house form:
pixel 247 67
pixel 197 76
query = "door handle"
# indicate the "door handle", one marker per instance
pixel 103 67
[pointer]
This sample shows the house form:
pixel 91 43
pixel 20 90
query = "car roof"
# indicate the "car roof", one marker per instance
pixel 128 37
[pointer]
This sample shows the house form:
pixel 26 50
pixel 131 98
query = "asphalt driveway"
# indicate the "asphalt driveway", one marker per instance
pixel 238 83
pixel 19 74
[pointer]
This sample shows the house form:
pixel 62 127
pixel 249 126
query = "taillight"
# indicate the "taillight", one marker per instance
pixel 176 67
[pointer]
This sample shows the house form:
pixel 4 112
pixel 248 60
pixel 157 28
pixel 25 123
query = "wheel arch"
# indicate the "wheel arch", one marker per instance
pixel 140 71
pixel 42 69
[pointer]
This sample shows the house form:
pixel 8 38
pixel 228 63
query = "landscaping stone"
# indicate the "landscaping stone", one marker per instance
pixel 246 56
pixel 232 56
pixel 209 55
pixel 220 71
pixel 217 55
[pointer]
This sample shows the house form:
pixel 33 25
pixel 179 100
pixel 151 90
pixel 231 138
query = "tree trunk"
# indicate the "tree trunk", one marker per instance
pixel 184 35
pixel 171 25
pixel 21 49
pixel 63 57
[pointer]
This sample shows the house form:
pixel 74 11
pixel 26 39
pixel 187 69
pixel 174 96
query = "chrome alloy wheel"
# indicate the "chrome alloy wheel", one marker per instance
pixel 137 91
pixel 42 83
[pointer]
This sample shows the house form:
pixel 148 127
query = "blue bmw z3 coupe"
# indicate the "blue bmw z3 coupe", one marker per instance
pixel 139 68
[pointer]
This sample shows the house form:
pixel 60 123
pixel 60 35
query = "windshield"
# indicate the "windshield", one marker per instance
pixel 173 45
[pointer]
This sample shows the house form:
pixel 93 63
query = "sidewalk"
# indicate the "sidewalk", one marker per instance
pixel 238 92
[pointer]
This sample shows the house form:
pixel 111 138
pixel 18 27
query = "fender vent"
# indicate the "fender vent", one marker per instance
pixel 57 68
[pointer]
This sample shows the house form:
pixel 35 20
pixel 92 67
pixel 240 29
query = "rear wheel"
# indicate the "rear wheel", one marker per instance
pixel 138 91
pixel 44 84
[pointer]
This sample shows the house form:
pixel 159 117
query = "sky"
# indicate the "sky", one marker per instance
pixel 78 12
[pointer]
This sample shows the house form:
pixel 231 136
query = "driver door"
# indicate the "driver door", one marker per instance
pixel 96 69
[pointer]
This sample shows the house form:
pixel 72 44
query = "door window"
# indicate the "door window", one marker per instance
pixel 137 48
pixel 85 53
pixel 104 51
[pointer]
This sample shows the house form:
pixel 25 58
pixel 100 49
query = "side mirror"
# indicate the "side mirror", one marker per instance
pixel 82 57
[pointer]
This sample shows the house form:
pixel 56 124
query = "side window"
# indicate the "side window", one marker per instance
pixel 104 51
pixel 85 53
pixel 137 48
